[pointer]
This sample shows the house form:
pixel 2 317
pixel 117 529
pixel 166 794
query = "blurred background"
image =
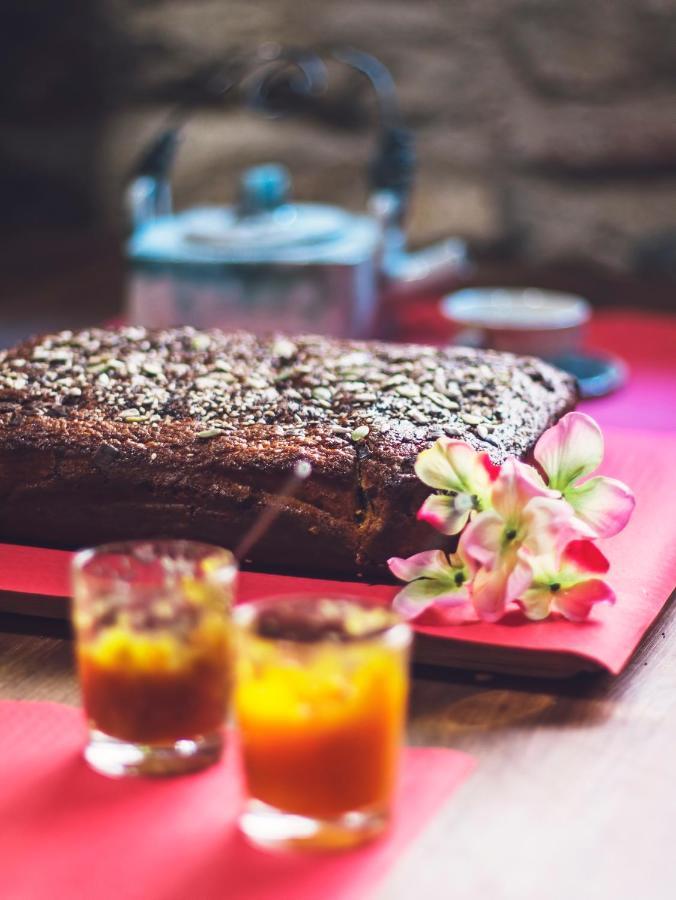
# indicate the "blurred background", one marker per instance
pixel 546 133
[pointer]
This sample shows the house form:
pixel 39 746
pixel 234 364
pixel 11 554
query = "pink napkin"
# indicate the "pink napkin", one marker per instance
pixel 67 833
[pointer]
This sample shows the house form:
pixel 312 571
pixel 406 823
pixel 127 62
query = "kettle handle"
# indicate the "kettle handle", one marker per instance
pixel 391 167
pixel 148 192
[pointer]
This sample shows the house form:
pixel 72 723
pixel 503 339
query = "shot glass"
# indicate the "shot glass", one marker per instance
pixel 320 698
pixel 154 653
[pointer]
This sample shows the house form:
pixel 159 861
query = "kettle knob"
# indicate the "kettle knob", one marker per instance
pixel 263 188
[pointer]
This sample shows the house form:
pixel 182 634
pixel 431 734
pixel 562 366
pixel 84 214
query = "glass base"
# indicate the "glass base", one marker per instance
pixel 270 828
pixel 115 758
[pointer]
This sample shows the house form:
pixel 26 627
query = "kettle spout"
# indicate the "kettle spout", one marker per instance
pixel 402 273
pixel 437 267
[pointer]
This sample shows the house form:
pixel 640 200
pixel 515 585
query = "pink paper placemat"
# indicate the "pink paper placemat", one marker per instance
pixel 647 343
pixel 643 569
pixel 67 833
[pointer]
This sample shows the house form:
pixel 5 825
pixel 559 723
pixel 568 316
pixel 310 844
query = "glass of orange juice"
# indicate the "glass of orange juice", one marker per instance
pixel 320 698
pixel 154 653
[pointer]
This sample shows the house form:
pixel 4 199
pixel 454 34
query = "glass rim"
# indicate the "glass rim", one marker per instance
pixel 87 555
pixel 397 634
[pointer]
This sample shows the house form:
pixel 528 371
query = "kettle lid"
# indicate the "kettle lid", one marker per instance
pixel 265 225
pixel 266 217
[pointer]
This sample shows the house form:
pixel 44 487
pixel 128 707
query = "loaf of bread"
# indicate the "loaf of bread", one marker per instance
pixel 129 433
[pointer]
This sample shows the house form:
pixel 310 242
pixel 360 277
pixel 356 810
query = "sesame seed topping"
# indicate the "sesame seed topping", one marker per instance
pixel 312 388
pixel 358 434
pixel 209 433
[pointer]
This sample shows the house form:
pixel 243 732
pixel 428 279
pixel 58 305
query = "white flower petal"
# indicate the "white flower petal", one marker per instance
pixel 570 450
pixel 418 596
pixel 604 504
pixel 481 541
pixel 428 564
pixel 516 484
pixel 536 603
pixel 448 515
pixel 493 589
pixel 520 578
pixel 550 525
pixel 488 594
pixel 453 466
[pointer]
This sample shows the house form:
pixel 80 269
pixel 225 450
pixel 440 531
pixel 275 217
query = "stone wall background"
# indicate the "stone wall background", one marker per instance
pixel 546 128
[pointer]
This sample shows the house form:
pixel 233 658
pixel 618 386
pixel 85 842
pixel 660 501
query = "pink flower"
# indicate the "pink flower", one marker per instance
pixel 569 585
pixel 463 474
pixel 526 520
pixel 568 452
pixel 493 589
pixel 522 539
pixel 434 578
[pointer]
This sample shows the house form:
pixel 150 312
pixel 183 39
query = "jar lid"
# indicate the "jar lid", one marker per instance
pixel 516 309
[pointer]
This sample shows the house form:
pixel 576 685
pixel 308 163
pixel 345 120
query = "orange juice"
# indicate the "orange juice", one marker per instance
pixel 321 720
pixel 154 652
pixel 154 687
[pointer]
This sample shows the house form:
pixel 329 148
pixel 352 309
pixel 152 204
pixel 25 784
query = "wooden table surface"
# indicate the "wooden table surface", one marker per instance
pixel 573 795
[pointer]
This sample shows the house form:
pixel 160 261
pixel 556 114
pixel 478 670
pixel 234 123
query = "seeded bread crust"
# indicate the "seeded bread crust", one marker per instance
pixel 116 434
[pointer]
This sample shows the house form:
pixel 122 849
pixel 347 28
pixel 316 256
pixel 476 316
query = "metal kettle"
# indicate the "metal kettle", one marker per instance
pixel 268 262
